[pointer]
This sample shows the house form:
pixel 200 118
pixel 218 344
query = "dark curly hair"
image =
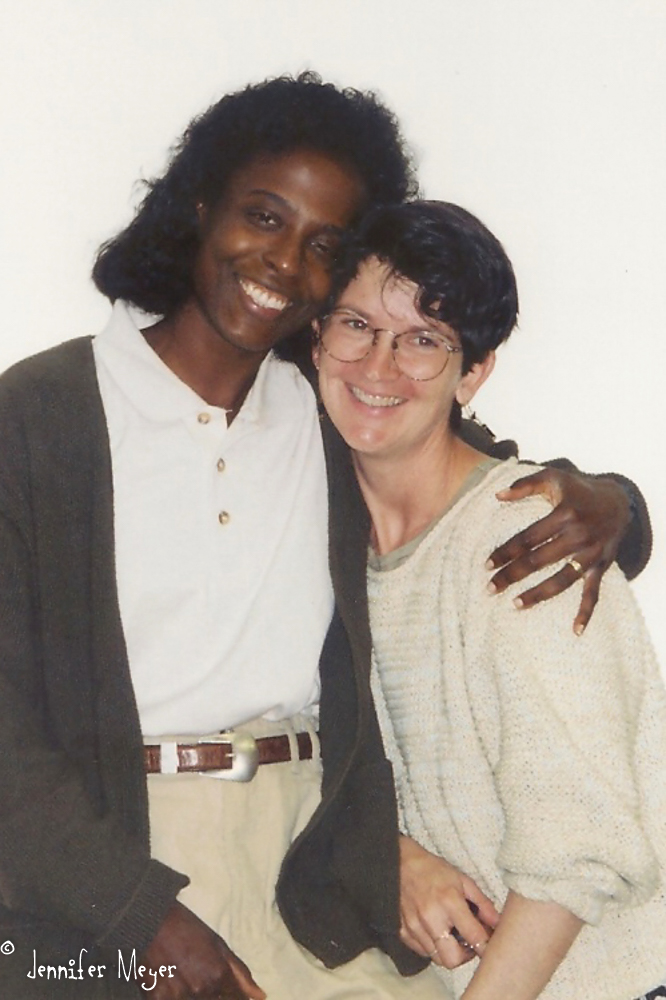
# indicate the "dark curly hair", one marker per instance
pixel 150 262
pixel 463 274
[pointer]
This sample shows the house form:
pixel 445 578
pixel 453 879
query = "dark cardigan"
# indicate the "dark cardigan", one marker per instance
pixel 75 865
pixel 74 839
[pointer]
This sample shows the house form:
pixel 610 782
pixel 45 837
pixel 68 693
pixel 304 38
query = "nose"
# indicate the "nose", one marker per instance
pixel 284 254
pixel 379 365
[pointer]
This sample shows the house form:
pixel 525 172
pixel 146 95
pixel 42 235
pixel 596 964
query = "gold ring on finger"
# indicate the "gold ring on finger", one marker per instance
pixel 577 566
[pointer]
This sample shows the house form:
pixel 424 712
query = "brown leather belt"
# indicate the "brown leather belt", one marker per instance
pixel 222 754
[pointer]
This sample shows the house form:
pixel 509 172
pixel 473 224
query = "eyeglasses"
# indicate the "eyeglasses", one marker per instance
pixel 419 354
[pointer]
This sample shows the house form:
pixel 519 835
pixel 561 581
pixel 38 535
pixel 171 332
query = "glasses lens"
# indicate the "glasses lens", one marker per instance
pixel 346 337
pixel 422 355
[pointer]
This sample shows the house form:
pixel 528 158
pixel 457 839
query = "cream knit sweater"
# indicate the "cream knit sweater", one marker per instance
pixel 532 759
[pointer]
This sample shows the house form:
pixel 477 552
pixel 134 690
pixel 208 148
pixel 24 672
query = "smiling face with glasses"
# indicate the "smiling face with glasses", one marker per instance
pixel 388 374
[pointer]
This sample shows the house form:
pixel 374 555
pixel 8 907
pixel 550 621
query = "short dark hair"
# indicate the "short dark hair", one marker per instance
pixel 462 271
pixel 150 262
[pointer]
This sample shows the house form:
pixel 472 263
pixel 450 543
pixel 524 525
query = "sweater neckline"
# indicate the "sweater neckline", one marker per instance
pixel 391 560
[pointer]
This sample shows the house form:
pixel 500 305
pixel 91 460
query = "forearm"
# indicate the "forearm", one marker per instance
pixel 529 943
pixel 635 547
pixel 59 859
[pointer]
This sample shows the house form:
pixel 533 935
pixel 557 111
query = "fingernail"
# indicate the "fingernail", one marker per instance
pixel 518 603
pixel 579 629
pixel 490 564
pixel 492 588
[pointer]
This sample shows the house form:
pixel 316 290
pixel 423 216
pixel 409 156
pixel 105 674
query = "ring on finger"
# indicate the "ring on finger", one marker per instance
pixel 442 937
pixel 577 566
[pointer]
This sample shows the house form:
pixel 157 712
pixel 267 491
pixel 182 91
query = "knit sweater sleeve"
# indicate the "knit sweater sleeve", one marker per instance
pixel 579 728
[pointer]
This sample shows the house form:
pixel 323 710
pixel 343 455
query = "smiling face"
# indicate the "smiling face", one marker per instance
pixel 380 412
pixel 266 249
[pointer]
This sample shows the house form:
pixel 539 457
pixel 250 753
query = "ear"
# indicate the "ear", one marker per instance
pixel 471 382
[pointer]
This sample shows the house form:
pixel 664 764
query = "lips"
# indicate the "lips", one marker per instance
pixel 369 399
pixel 262 297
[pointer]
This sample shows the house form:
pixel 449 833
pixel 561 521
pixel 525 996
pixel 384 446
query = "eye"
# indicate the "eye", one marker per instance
pixel 425 341
pixel 355 323
pixel 325 246
pixel 263 218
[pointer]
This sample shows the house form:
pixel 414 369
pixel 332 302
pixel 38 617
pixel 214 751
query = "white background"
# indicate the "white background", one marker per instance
pixel 545 117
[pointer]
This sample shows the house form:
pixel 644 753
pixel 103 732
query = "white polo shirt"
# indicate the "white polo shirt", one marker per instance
pixel 221 539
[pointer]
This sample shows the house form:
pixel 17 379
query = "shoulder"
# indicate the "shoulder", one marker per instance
pixel 484 520
pixel 477 524
pixel 50 402
pixel 58 369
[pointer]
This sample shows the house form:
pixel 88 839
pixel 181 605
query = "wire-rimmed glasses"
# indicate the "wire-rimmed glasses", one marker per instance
pixel 419 354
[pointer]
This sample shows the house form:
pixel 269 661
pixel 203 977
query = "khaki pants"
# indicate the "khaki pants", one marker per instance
pixel 230 839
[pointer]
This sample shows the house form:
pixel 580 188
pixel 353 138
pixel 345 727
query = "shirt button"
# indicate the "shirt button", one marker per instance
pixel 221 465
pixel 224 517
pixel 204 418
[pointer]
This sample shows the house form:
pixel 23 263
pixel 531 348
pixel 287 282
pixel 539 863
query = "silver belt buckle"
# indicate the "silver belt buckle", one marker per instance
pixel 244 756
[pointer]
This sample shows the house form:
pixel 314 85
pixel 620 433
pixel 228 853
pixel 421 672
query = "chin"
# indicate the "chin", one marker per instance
pixel 365 443
pixel 253 342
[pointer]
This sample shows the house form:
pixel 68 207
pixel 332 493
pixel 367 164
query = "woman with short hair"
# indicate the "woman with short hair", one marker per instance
pixel 530 758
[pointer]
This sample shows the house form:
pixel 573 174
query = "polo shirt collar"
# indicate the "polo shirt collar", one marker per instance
pixel 157 392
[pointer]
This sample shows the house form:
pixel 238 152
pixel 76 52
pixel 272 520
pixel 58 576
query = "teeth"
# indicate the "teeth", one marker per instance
pixel 262 297
pixel 369 400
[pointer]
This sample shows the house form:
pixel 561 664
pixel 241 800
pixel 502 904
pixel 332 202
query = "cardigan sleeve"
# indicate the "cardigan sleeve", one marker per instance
pixel 66 857
pixel 579 740
pixel 59 859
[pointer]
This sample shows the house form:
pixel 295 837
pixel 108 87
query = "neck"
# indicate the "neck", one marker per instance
pixel 221 374
pixel 405 494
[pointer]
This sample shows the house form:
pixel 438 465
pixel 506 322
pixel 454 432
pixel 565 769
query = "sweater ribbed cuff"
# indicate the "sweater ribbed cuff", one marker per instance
pixel 137 924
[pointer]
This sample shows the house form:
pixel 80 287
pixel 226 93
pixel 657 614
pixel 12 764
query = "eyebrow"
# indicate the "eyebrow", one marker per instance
pixel 273 196
pixel 428 325
pixel 327 227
